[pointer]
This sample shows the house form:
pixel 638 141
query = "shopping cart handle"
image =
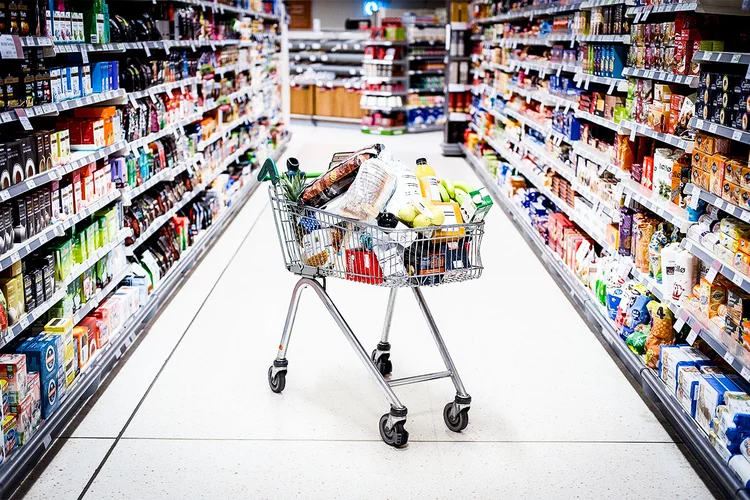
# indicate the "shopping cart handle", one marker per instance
pixel 268 172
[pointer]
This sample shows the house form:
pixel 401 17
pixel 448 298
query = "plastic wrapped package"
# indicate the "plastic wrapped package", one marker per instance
pixel 655 246
pixel 626 231
pixel 660 333
pixel 338 178
pixel 636 341
pixel 368 194
pixel 637 314
pixel 644 230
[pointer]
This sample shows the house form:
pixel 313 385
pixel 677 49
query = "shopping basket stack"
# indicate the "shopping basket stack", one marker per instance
pixel 318 243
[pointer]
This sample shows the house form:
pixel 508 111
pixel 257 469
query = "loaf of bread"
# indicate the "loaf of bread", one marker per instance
pixel 337 180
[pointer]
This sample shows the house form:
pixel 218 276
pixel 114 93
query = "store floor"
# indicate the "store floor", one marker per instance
pixel 190 414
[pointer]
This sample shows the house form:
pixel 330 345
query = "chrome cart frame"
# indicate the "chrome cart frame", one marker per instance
pixel 318 244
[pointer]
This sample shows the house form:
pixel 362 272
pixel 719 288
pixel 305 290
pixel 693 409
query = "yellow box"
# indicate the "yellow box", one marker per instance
pixel 64 328
pixel 452 213
pixel 712 295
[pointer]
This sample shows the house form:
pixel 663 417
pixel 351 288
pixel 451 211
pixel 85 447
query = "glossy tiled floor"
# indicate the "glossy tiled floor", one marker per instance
pixel 190 414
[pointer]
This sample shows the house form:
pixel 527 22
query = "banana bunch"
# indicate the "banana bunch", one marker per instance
pixel 454 191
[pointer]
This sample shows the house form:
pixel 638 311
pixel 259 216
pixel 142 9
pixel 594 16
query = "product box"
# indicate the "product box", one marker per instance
pixel 10 439
pixel 13 370
pixel 50 396
pixel 36 402
pixel 688 377
pixel 710 394
pixel 24 420
pixel 64 328
pixel 476 205
pixel 5 396
pixel 672 357
pixel 43 355
pixel 731 193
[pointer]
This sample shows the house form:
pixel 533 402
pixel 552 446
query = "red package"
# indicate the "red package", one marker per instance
pixel 363 266
pixel 647 179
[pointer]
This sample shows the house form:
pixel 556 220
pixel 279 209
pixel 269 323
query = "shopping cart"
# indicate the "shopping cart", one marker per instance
pixel 317 245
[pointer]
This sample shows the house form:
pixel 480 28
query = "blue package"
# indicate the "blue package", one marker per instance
pixel 613 301
pixel 50 397
pixel 42 355
pixel 636 315
pixel 98 71
pixel 114 75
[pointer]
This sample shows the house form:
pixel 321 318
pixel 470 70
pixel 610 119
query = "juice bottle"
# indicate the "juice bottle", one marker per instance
pixel 427 180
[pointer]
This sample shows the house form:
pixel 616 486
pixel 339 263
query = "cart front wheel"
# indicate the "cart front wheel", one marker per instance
pixel 278 382
pixel 396 436
pixel 383 363
pixel 456 423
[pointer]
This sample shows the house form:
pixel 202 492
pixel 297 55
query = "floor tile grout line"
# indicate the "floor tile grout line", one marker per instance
pixel 169 357
pixel 314 440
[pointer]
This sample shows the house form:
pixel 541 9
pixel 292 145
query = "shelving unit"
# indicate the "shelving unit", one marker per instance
pixel 327 70
pixel 422 59
pixel 259 110
pixel 541 154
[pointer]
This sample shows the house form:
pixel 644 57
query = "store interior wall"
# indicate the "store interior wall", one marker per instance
pixel 334 13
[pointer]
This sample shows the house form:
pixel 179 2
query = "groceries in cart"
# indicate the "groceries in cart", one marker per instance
pixel 372 219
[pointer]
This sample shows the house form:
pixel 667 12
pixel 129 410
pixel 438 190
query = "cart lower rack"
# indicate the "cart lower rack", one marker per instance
pixel 317 245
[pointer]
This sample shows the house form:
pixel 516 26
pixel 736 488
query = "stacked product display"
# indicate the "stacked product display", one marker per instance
pixel 458 96
pixel 404 77
pixel 327 74
pixel 128 136
pixel 614 136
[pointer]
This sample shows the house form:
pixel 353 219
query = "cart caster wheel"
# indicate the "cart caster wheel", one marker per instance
pixel 278 382
pixel 457 423
pixel 397 436
pixel 385 367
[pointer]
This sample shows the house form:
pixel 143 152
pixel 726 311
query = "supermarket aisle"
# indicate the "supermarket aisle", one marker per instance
pixel 552 414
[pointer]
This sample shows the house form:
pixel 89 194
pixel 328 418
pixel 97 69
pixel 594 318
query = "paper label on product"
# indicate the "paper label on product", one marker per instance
pixel 4 195
pixel 24 322
pixel 745 216
pixel 43 239
pixel 692 336
pixel 611 87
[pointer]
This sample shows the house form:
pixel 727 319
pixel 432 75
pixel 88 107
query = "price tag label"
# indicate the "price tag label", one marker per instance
pixel 559 70
pixel 736 58
pixel 632 134
pixel 737 279
pixel 147 49
pixel 736 135
pixel 47 441
pixel 728 357
pixel 713 271
pixel 572 42
pixel 10 47
pixel 4 195
pixel 153 97
pixel 24 322
pixel 84 55
pixel 692 336
pixel 43 239
pixel 31 183
pixel 25 123
pixel 745 216
pixel 15 257
pixel 670 77
pixel 713 128
pixel 528 98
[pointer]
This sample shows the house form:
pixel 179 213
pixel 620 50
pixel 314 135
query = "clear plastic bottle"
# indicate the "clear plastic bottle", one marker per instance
pixel 427 180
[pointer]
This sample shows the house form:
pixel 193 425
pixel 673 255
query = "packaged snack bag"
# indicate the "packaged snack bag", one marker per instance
pixel 637 314
pixel 655 246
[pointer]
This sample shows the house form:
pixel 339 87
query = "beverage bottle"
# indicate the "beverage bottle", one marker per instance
pixel 427 180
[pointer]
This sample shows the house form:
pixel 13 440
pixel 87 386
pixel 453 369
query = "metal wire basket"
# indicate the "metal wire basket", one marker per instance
pixel 320 244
